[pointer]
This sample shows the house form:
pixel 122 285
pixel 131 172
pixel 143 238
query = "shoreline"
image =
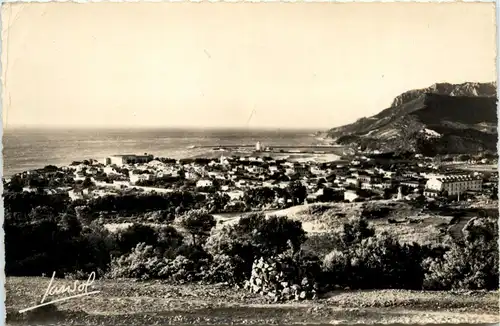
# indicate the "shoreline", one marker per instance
pixel 155 302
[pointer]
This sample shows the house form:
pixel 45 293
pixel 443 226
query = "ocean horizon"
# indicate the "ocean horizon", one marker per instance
pixel 27 148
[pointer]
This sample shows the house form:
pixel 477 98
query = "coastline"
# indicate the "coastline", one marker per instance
pixel 154 302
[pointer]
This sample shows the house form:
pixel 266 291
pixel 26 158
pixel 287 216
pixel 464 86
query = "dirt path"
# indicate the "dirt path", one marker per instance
pixel 155 303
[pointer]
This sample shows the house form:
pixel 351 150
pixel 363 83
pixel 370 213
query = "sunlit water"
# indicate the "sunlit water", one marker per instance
pixel 26 149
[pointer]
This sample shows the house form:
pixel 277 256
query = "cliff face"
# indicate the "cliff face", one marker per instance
pixel 443 118
pixel 465 89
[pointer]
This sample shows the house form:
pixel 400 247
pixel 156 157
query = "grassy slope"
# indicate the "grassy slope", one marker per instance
pixel 127 302
pixel 324 217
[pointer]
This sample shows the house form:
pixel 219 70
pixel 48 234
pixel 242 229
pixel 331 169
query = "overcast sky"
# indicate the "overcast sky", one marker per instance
pixel 211 64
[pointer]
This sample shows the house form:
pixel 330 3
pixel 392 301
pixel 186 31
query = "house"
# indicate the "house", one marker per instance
pixel 128 159
pixel 74 195
pixel 411 183
pixel 191 175
pixel 109 170
pixel 314 196
pixel 367 185
pixel 273 169
pixel 351 181
pixel 235 194
pixel 454 184
pixel 216 175
pixel 203 183
pixel 80 175
pixel 350 195
pixel 143 176
pixel 431 193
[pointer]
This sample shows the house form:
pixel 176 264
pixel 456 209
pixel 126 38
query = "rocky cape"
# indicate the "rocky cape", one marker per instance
pixel 441 119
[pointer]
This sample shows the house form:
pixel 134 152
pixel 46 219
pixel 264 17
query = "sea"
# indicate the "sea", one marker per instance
pixel 32 148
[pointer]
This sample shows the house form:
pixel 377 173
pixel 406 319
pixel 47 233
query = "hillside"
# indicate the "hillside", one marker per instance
pixel 443 118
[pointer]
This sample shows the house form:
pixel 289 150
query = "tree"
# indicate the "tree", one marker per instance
pixel 217 202
pixel 297 191
pixel 130 237
pixel 355 230
pixel 87 183
pixel 198 223
pixel 16 184
pixel 258 197
pixel 169 240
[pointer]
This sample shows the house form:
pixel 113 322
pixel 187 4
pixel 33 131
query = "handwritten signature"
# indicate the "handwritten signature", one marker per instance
pixel 77 290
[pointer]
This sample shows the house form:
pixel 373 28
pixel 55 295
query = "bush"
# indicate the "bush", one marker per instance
pixel 127 239
pixel 366 261
pixel 142 263
pixel 321 244
pixel 355 230
pixel 225 268
pixel 179 270
pixel 468 264
pixel 252 237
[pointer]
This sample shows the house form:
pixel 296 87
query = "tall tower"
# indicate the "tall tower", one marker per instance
pixel 258 147
pixel 400 194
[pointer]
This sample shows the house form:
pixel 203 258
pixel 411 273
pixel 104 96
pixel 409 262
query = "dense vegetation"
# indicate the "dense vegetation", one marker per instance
pixel 46 233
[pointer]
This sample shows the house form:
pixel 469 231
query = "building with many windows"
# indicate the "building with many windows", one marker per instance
pixel 452 184
pixel 128 159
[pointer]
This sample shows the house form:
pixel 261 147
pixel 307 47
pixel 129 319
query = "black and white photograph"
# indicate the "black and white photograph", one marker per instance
pixel 250 163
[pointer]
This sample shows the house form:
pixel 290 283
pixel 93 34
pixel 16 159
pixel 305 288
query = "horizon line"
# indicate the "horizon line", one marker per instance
pixel 138 127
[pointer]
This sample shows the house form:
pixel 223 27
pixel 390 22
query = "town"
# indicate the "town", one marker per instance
pixel 461 178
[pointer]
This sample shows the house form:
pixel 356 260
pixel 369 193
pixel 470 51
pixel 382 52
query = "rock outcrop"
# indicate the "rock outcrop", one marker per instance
pixel 440 119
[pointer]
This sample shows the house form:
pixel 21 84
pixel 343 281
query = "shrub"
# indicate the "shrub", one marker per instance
pixel 321 243
pixel 169 240
pixel 468 264
pixel 140 263
pixel 179 270
pixel 271 235
pixel 225 268
pixel 354 231
pixel 143 263
pixel 255 236
pixel 366 261
pixel 127 239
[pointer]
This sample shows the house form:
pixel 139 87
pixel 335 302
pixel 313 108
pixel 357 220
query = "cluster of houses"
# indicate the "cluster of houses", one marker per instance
pixel 358 178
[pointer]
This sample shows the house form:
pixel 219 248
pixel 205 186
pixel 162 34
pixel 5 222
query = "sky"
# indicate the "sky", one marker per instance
pixel 249 65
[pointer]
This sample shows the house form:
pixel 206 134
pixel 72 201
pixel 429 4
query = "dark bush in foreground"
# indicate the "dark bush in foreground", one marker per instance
pixel 468 264
pixel 366 261
pixel 142 263
pixel 252 237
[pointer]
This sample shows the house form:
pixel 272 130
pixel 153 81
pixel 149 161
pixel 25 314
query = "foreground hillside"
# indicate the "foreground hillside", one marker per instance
pixel 443 118
pixel 412 223
pixel 156 303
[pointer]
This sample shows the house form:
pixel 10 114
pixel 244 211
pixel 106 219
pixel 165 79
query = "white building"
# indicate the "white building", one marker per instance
pixel 258 147
pixel 74 195
pixel 453 184
pixel 128 159
pixel 350 195
pixel 204 183
pixel 135 177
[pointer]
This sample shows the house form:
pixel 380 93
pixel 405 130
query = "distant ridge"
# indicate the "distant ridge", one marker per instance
pixel 441 119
